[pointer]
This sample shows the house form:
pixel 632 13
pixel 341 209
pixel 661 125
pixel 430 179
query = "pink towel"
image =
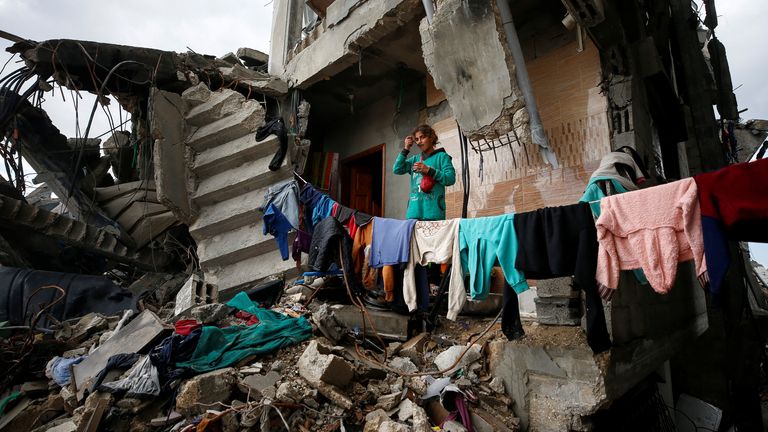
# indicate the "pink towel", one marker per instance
pixel 652 229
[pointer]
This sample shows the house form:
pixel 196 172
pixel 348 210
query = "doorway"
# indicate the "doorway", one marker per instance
pixel 362 181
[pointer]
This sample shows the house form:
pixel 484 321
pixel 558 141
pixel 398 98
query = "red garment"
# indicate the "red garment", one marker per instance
pixel 352 226
pixel 250 319
pixel 335 209
pixel 186 326
pixel 737 196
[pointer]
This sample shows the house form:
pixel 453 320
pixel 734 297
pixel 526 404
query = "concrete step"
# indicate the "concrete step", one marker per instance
pixel 242 122
pixel 248 273
pixel 228 215
pixel 226 156
pixel 236 245
pixel 237 181
pixel 220 104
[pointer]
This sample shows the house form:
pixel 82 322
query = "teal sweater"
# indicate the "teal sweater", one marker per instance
pixel 422 205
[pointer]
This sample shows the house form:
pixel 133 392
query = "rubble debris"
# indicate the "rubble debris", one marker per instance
pixel 252 57
pixel 195 292
pixel 447 358
pixel 134 337
pixel 211 390
pixel 315 365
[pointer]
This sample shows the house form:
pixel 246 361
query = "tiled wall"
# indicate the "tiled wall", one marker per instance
pixel 514 179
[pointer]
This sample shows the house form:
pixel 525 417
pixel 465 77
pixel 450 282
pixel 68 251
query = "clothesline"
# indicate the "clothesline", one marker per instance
pixel 650 229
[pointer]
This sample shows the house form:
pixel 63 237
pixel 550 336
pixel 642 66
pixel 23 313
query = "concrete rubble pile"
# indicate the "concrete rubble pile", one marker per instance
pixel 101 372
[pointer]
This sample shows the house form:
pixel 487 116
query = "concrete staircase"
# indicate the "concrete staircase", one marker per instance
pixel 232 174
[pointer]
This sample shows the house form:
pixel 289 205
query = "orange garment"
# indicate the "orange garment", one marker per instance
pixel 363 238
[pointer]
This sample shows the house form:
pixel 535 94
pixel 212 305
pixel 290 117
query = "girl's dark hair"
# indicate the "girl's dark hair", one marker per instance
pixel 426 130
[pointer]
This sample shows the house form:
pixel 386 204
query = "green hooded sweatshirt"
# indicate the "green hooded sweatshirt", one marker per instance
pixel 427 205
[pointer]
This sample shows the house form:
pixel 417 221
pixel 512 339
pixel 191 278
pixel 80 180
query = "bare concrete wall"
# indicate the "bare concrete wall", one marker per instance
pixel 375 125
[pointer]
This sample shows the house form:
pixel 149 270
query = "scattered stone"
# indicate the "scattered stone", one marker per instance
pixel 453 426
pixel 405 410
pixel 403 364
pixel 414 348
pixel 316 366
pixel 393 426
pixel 277 366
pixel 417 384
pixel 445 359
pixel 257 383
pixel 34 389
pixel 68 426
pixel 497 385
pixel 327 323
pixel 230 58
pixel 374 419
pixel 165 420
pixel 206 391
pixel 294 391
pixel 420 420
pixel 389 402
pixel 252 57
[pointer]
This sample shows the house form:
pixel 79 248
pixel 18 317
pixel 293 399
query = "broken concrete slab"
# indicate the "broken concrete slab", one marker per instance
pixel 390 401
pixel 388 324
pixel 405 410
pixel 209 313
pixel 257 383
pixel 132 338
pixel 206 391
pixel 374 419
pixel 317 364
pixel 445 359
pixel 403 364
pixel 252 57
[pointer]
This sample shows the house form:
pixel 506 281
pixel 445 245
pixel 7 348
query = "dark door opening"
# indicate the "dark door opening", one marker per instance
pixel 362 181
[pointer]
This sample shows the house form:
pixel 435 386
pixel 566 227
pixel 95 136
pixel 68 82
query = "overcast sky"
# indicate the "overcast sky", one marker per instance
pixel 218 27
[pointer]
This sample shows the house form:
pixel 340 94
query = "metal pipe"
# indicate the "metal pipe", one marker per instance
pixel 429 9
pixel 537 129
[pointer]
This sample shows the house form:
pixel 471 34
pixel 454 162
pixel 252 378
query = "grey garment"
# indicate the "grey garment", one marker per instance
pixel 141 381
pixel 608 168
pixel 285 197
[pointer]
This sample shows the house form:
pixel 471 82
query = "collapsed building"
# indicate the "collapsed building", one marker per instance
pixel 527 97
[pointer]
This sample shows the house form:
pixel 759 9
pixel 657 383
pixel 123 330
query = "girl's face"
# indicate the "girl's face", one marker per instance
pixel 424 142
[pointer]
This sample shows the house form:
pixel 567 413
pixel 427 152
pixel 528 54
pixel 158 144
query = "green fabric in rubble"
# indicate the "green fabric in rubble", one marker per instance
pixel 7 400
pixel 223 347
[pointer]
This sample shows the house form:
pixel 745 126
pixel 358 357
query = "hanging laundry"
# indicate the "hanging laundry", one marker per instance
pixel 141 382
pixel 222 347
pixel 562 241
pixel 483 241
pixel 634 231
pixel 391 243
pixel 362 219
pixel 436 242
pixel 309 196
pixel 276 127
pixel 322 209
pixel 324 249
pixel 346 216
pixel 618 171
pixel 301 244
pixel 277 224
pixel 734 205
pixel 285 197
pixel 361 254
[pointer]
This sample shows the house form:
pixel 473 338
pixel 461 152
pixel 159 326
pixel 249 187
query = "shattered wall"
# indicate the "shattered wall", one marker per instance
pixel 566 83
pixel 476 72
